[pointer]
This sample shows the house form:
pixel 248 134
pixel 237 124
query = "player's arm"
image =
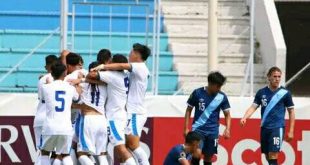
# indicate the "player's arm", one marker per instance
pixel 291 115
pixel 187 119
pixel 115 66
pixel 63 55
pixel 248 114
pixel 228 124
pixel 183 161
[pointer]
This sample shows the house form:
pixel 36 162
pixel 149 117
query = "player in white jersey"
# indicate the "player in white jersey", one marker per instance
pixel 117 88
pixel 41 111
pixel 57 129
pixel 136 112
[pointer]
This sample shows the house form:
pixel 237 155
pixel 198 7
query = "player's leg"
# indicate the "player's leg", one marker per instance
pixel 85 143
pixel 275 142
pixel 196 157
pixel 38 140
pixel 57 160
pixel 101 139
pixel 44 159
pixel 76 125
pixel 63 147
pixel 117 138
pixel 209 148
pixel 133 131
pixel 48 144
pixel 264 142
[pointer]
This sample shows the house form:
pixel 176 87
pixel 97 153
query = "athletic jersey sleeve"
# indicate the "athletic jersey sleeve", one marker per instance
pixel 138 70
pixel 105 76
pixel 180 155
pixel 288 101
pixel 225 106
pixel 257 101
pixel 76 96
pixel 192 100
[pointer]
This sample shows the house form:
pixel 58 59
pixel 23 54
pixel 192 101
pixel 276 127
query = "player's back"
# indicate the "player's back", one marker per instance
pixel 138 85
pixel 117 89
pixel 58 97
pixel 95 96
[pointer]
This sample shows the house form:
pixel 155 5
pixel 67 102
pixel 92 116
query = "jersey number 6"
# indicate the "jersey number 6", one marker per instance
pixel 59 98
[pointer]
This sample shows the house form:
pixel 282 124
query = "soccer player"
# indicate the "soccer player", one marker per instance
pixel 117 87
pixel 57 128
pixel 136 111
pixel 182 153
pixel 104 56
pixel 274 101
pixel 208 102
pixel 93 135
pixel 41 111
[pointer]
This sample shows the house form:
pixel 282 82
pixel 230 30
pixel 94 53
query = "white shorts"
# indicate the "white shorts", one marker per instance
pixel 61 144
pixel 76 126
pixel 93 134
pixel 38 136
pixel 116 131
pixel 135 124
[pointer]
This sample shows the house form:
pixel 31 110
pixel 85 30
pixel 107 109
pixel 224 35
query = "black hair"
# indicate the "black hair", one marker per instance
pixel 58 68
pixel 119 58
pixel 81 59
pixel 103 56
pixel 216 78
pixel 50 59
pixel 192 137
pixel 273 69
pixel 73 59
pixel 143 50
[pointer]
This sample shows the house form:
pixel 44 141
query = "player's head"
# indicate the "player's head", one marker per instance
pixel 215 81
pixel 104 56
pixel 59 70
pixel 49 60
pixel 81 62
pixel 73 61
pixel 119 58
pixel 93 65
pixel 192 141
pixel 139 53
pixel 274 76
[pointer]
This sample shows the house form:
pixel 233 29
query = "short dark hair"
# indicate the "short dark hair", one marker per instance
pixel 50 59
pixel 81 59
pixel 216 78
pixel 273 69
pixel 93 65
pixel 143 50
pixel 103 56
pixel 191 137
pixel 58 68
pixel 73 59
pixel 119 58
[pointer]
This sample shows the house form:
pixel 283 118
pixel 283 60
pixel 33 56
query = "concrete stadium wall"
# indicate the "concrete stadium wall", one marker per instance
pixel 163 130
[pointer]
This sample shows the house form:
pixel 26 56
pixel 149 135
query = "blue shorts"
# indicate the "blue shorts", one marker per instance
pixel 271 139
pixel 209 143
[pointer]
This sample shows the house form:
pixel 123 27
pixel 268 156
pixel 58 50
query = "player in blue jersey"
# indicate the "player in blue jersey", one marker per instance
pixel 208 102
pixel 181 154
pixel 274 101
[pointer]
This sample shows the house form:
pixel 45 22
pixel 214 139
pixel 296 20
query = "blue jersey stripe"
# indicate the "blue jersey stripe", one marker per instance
pixel 208 111
pixel 114 131
pixel 82 137
pixel 274 100
pixel 134 124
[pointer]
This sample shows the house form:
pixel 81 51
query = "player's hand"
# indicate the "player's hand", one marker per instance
pixel 185 132
pixel 290 136
pixel 226 134
pixel 242 122
pixel 98 68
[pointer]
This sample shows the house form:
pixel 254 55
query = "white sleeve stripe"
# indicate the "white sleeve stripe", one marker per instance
pixel 256 105
pixel 189 105
pixel 290 107
pixel 226 109
pixel 181 159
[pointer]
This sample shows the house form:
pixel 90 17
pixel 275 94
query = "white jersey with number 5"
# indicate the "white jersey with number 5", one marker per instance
pixel 117 88
pixel 58 97
pixel 138 79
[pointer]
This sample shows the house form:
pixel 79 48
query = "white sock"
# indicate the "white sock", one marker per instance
pixel 67 160
pixel 130 161
pixel 140 154
pixel 91 157
pixel 45 160
pixel 38 160
pixel 84 160
pixel 57 162
pixel 103 159
pixel 73 157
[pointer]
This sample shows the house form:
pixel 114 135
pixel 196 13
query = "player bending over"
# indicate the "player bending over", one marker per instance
pixel 57 128
pixel 181 154
pixel 41 108
pixel 117 87
pixel 274 101
pixel 208 102
pixel 136 111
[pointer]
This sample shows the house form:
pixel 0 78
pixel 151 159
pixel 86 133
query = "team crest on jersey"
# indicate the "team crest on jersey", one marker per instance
pixel 182 155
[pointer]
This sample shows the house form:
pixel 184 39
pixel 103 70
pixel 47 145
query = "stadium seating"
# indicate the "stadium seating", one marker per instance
pixel 25 25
